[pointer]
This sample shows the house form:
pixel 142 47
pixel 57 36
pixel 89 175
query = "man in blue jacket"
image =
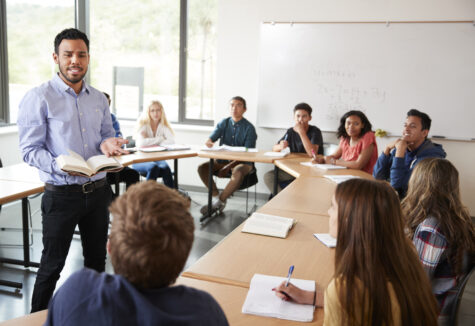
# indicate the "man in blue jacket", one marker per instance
pixel 395 164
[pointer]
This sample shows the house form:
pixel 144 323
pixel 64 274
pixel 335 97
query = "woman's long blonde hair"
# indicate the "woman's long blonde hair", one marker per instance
pixel 145 119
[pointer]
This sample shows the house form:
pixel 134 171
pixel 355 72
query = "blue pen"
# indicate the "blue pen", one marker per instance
pixel 291 270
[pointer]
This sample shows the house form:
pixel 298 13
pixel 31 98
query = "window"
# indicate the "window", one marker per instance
pixel 201 59
pixel 152 37
pixel 31 27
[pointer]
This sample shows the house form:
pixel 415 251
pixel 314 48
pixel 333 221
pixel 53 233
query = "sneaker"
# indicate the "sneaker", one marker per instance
pixel 216 206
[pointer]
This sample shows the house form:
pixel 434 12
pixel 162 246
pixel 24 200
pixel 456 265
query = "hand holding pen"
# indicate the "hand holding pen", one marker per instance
pixel 280 291
pixel 284 143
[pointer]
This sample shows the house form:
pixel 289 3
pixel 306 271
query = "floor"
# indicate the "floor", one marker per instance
pixel 15 303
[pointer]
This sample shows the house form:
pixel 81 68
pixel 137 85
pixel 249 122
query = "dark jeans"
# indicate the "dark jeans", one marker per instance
pixel 61 212
pixel 154 170
pixel 127 175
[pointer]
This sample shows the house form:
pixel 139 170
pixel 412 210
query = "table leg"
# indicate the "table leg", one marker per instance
pixel 175 173
pixel 276 179
pixel 117 184
pixel 210 185
pixel 26 245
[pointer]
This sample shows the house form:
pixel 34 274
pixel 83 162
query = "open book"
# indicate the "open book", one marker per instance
pixel 262 301
pixel 271 225
pixel 75 163
pixel 324 166
pixel 151 149
pixel 229 149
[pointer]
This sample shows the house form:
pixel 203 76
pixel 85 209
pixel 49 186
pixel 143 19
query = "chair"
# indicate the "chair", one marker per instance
pixel 249 180
pixel 462 311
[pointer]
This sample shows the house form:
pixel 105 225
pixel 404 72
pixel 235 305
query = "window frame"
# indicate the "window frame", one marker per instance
pixel 82 19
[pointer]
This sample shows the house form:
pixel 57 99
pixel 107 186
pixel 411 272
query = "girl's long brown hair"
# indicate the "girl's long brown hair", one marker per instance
pixel 372 250
pixel 434 191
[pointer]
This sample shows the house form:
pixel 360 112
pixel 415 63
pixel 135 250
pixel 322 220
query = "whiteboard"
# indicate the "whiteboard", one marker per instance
pixel 382 70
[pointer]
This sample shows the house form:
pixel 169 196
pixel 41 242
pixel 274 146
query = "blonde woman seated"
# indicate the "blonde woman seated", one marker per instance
pixel 357 149
pixel 153 129
pixel 441 229
pixel 378 278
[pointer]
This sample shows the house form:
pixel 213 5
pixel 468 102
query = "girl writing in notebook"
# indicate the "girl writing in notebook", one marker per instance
pixel 378 278
pixel 441 229
pixel 153 129
pixel 357 148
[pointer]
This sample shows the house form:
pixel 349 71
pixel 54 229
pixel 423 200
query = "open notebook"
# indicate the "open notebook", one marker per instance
pixel 323 166
pixel 262 301
pixel 270 225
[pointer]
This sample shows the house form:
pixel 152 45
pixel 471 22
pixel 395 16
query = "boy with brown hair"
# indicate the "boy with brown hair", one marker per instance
pixel 150 240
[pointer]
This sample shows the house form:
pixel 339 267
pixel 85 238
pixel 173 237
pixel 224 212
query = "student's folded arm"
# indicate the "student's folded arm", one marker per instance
pixel 307 144
pixel 169 137
pixel 399 173
pixel 362 160
pixel 382 167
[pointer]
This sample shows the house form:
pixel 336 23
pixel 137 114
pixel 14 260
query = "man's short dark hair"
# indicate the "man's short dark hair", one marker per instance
pixel 240 99
pixel 70 34
pixel 303 106
pixel 425 120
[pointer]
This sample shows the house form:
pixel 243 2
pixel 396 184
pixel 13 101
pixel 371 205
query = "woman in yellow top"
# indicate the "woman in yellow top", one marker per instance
pixel 378 277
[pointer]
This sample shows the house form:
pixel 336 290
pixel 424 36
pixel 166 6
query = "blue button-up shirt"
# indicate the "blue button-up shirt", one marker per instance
pixel 241 133
pixel 52 118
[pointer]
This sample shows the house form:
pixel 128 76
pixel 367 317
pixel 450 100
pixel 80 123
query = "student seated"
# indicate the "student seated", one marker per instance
pixel 232 131
pixel 378 278
pixel 153 129
pixel 395 164
pixel 441 229
pixel 357 149
pixel 301 138
pixel 127 175
pixel 150 239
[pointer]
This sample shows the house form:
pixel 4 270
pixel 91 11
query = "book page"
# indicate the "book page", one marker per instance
pixel 176 147
pixel 274 229
pixel 262 301
pixel 102 162
pixel 73 162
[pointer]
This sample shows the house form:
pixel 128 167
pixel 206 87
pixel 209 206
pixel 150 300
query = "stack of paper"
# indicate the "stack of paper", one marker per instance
pixel 323 166
pixel 176 147
pixel 276 154
pixel 340 178
pixel 270 225
pixel 151 149
pixel 262 301
pixel 229 149
pixel 327 239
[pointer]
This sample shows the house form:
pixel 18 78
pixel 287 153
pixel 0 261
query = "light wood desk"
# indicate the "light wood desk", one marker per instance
pixel 20 172
pixel 231 298
pixel 294 167
pixel 34 319
pixel 240 255
pixel 11 191
pixel 141 157
pixel 256 157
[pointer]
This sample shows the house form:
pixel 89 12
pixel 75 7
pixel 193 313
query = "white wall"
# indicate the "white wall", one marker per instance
pixel 237 71
pixel 238 56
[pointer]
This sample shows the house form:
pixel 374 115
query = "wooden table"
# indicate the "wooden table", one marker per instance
pixel 141 157
pixel 231 298
pixel 11 191
pixel 34 319
pixel 20 172
pixel 256 157
pixel 240 255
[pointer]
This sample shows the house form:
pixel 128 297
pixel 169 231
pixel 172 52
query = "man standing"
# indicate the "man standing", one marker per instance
pixel 61 114
pixel 232 131
pixel 399 157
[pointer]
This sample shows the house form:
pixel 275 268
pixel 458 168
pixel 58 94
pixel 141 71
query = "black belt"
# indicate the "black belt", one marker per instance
pixel 84 188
